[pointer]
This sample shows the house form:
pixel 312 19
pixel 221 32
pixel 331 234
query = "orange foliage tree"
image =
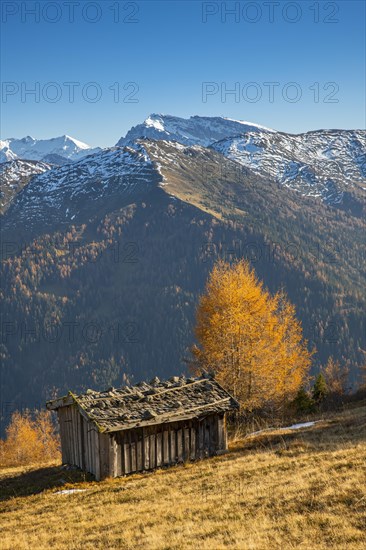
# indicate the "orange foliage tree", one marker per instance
pixel 250 340
pixel 336 377
pixel 29 440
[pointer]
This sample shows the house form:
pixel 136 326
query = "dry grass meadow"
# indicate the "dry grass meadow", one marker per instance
pixel 303 489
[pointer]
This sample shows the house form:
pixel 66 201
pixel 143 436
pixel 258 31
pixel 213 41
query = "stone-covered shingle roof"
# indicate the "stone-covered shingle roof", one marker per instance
pixel 178 398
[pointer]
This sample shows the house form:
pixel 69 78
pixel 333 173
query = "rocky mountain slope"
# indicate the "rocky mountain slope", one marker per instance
pixel 326 164
pixel 14 175
pixel 68 192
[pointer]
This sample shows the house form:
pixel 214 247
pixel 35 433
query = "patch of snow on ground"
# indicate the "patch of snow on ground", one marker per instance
pixel 293 427
pixel 298 426
pixel 69 491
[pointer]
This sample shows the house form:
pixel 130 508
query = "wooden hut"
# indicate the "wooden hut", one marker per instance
pixel 120 431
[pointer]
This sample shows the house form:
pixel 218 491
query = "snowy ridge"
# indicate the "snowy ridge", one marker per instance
pixel 11 171
pixel 196 130
pixel 14 175
pixel 61 193
pixel 326 164
pixel 322 164
pixel 29 148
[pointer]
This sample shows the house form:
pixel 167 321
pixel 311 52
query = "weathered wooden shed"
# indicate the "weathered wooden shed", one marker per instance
pixel 131 429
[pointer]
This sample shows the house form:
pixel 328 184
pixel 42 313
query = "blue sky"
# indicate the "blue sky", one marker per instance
pixel 294 66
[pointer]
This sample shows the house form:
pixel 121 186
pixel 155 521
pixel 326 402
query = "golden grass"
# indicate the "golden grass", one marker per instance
pixel 277 490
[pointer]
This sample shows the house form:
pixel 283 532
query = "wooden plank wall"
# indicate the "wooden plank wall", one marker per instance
pixel 147 448
pixel 80 441
pixel 165 444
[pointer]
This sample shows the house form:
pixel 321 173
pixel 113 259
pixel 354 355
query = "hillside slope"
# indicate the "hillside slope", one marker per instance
pixel 107 288
pixel 328 164
pixel 278 489
pixel 14 176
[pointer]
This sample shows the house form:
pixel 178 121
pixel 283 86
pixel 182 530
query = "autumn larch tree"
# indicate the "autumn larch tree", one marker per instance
pixel 250 340
pixel 29 440
pixel 336 377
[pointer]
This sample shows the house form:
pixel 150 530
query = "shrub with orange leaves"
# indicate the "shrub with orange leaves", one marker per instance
pixel 29 440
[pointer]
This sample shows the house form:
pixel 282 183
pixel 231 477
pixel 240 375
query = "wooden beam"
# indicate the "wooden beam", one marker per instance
pixel 59 402
pixel 152 449
pixel 97 454
pixel 201 438
pixel 86 428
pixel 126 453
pixel 119 451
pixel 139 451
pixel 193 443
pixel 173 446
pixel 186 445
pixel 146 448
pixel 70 434
pixel 166 459
pixel 225 434
pixel 112 456
pixel 104 455
pixel 91 450
pixel 159 449
pixel 90 458
pixel 76 418
pixel 220 433
pixel 180 445
pixel 133 451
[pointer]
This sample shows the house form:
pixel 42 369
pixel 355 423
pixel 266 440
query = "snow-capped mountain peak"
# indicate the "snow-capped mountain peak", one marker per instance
pixel 26 139
pixel 153 121
pixel 196 130
pixel 79 144
pixel 29 148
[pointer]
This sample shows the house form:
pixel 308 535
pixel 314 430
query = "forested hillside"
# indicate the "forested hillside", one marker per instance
pixel 110 296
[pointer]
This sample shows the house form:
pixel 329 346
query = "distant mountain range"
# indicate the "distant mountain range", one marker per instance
pixel 326 164
pixel 124 237
pixel 55 150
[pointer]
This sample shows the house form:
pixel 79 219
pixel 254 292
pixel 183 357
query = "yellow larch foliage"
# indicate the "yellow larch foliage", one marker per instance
pixel 29 440
pixel 336 377
pixel 249 339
